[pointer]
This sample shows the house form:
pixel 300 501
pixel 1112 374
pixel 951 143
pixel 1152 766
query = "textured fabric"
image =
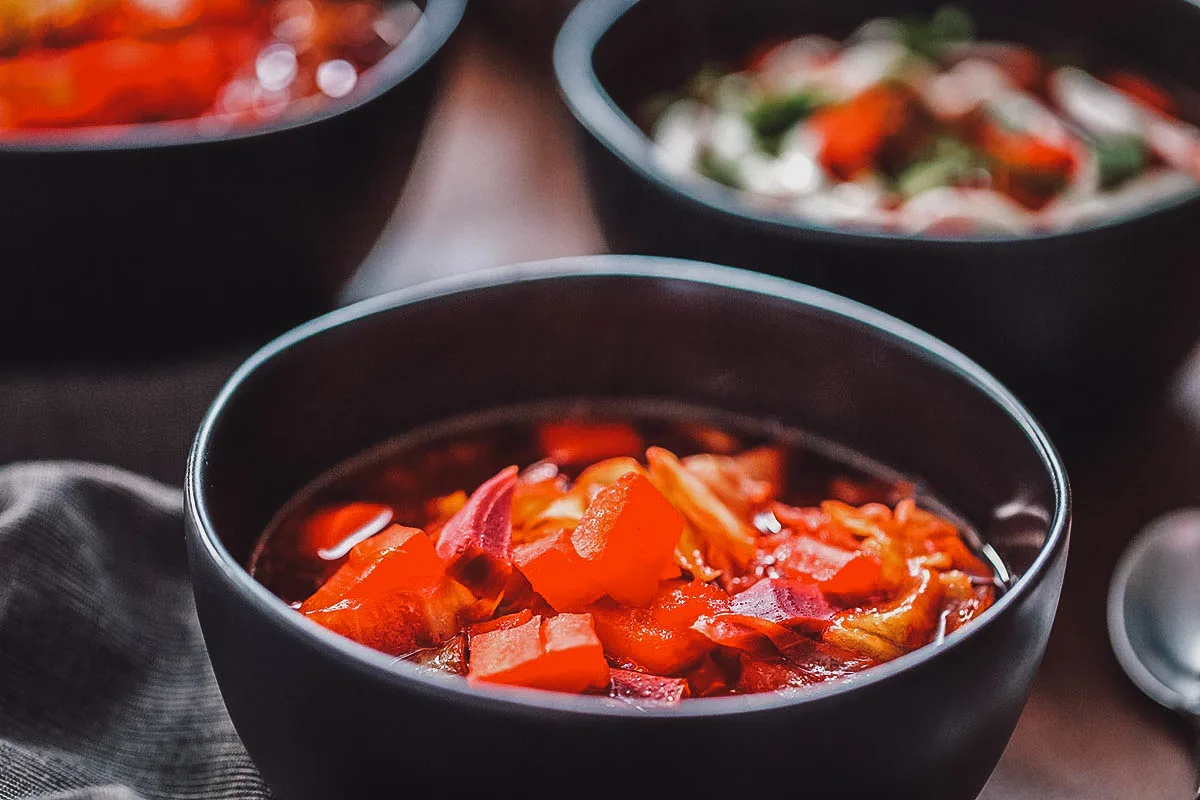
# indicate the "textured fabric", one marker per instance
pixel 106 692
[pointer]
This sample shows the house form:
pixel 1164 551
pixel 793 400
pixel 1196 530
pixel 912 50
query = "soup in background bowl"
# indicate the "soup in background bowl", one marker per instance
pixel 1086 323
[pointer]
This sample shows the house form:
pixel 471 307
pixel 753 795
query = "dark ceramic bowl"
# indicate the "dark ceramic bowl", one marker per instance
pixel 1085 325
pixel 115 242
pixel 325 717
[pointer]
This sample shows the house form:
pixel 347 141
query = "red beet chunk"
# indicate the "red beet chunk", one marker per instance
pixel 476 543
pixel 784 602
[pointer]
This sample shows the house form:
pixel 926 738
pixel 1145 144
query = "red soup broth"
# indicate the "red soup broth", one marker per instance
pixel 88 63
pixel 625 551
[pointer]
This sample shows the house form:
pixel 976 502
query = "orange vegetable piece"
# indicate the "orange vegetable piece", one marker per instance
pixel 627 536
pixel 557 572
pixel 853 133
pixel 575 442
pixel 559 654
pixel 659 638
pixel 331 533
pixel 391 594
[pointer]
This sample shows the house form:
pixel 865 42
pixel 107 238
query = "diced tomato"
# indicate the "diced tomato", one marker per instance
pixel 627 536
pixel 647 690
pixel 585 442
pixel 659 638
pixel 853 133
pixel 559 574
pixel 1144 90
pixel 560 654
pixel 476 542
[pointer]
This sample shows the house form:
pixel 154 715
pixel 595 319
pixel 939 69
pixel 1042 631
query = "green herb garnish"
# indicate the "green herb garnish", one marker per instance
pixel 719 170
pixel 945 163
pixel 774 115
pixel 1119 159
pixel 949 25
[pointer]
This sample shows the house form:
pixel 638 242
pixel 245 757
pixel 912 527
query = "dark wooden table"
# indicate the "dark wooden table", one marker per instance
pixel 498 182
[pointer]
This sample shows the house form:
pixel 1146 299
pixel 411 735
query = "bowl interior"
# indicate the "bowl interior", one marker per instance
pixel 626 328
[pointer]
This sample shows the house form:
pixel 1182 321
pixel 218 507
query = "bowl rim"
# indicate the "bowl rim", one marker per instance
pixel 377 666
pixel 597 113
pixel 439 19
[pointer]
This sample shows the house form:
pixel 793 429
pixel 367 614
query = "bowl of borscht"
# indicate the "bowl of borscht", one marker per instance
pixel 622 524
pixel 190 175
pixel 1021 180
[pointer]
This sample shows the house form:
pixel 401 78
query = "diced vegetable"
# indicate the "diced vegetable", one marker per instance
pixel 560 654
pixel 776 114
pixel 627 536
pixel 557 572
pixel 659 638
pixel 392 594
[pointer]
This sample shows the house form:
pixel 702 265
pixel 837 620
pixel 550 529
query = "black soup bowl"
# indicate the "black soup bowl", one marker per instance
pixel 1085 325
pixel 114 241
pixel 326 717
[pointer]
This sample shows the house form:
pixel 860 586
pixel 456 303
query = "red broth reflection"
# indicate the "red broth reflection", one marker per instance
pixel 83 63
pixel 639 556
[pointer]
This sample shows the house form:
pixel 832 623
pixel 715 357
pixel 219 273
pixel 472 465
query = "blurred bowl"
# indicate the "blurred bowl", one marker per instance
pixel 1086 325
pixel 324 717
pixel 143 241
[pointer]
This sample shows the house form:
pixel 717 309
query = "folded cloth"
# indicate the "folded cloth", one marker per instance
pixel 105 687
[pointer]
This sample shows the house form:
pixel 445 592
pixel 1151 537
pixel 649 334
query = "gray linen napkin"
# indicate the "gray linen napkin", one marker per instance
pixel 105 687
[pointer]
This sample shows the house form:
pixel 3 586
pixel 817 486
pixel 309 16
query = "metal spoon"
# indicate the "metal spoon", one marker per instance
pixel 1154 615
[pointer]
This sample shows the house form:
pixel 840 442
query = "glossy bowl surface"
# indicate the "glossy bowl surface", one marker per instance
pixel 325 717
pixel 1055 316
pixel 144 241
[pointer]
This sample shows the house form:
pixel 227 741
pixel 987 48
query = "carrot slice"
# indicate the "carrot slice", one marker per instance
pixel 627 536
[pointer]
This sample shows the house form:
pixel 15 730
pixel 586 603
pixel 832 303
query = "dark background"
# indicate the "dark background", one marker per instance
pixel 497 181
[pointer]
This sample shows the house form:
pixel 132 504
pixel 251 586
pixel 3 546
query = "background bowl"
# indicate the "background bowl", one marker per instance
pixel 325 717
pixel 1085 325
pixel 148 240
